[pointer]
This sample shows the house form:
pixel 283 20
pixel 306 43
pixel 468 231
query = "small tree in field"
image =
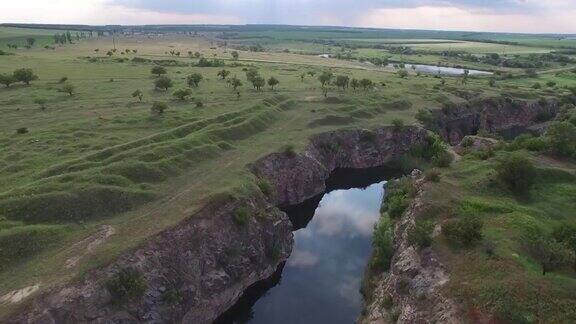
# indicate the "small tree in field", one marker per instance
pixel 342 81
pixel 367 84
pixel 138 94
pixel 355 84
pixel 7 79
pixel 223 74
pixel 69 89
pixel 158 70
pixel 163 82
pixel 25 75
pixel 325 78
pixel 402 73
pixel 235 55
pixel 193 80
pixel 517 172
pixel 235 83
pixel 182 94
pixel 158 108
pixel 258 82
pixel 30 41
pixel 272 82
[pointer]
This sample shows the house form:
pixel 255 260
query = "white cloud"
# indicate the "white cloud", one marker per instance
pixel 452 18
pixel 99 12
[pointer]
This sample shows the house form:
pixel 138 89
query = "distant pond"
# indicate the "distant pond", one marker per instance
pixel 444 70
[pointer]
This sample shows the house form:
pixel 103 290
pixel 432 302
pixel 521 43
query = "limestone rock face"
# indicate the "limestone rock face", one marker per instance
pixel 506 117
pixel 297 177
pixel 207 261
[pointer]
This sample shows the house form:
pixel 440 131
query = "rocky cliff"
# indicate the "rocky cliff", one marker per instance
pixel 198 269
pixel 411 290
pixel 193 272
pixel 297 177
pixel 506 117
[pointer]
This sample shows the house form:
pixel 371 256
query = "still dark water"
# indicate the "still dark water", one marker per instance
pixel 320 282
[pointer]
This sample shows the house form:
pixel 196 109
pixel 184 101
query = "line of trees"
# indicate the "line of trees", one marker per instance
pixel 24 75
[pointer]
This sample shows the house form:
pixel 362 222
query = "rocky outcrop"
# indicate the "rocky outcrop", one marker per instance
pixel 193 272
pixel 411 289
pixel 297 177
pixel 197 270
pixel 471 143
pixel 506 117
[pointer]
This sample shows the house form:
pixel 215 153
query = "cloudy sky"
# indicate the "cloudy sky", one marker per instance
pixel 550 16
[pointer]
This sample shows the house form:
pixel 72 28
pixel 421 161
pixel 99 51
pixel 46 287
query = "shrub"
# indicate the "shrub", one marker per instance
pixel 25 75
pixel 467 142
pixel 199 103
pixel 63 79
pixel 138 94
pixel 398 197
pixel 551 254
pixel 7 79
pixel 41 102
pixel 158 108
pixel 22 130
pixel 432 175
pixel 265 186
pixel 516 172
pixel 442 159
pixel 425 117
pixel 158 70
pixel 562 138
pixel 421 234
pixel 396 205
pixel 69 89
pixel 466 231
pixel 182 94
pixel 128 284
pixel 484 153
pixel 241 216
pixel 193 80
pixel 528 142
pixel 382 242
pixel 398 124
pixel 289 150
pixel 163 82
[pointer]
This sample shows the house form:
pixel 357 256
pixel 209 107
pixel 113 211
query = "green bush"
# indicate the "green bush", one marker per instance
pixel 528 142
pixel 265 186
pixel 466 231
pixel 562 139
pixel 442 159
pixel 398 197
pixel 421 234
pixel 382 242
pixel 126 285
pixel 432 175
pixel 289 150
pixel 516 172
pixel 241 216
pixel 398 124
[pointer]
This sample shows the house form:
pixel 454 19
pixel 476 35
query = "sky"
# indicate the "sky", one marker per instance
pixel 529 16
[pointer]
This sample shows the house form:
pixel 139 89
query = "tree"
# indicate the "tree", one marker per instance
pixel 235 55
pixel 30 41
pixel 258 82
pixel 193 80
pixel 158 108
pixel 342 81
pixel 235 82
pixel 355 84
pixel 69 89
pixel 109 53
pixel 516 171
pixel 251 74
pixel 492 82
pixel 223 74
pixel 551 254
pixel 302 76
pixel 325 78
pixel 158 70
pixel 272 82
pixel 402 73
pixel 25 75
pixel 367 84
pixel 163 82
pixel 138 94
pixel 7 79
pixel 562 138
pixel 182 94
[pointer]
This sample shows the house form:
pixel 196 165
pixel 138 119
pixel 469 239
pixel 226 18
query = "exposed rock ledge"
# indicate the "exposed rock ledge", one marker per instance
pixel 413 282
pixel 208 259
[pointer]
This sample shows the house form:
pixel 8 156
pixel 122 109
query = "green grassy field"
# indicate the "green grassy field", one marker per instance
pixel 498 276
pixel 100 157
